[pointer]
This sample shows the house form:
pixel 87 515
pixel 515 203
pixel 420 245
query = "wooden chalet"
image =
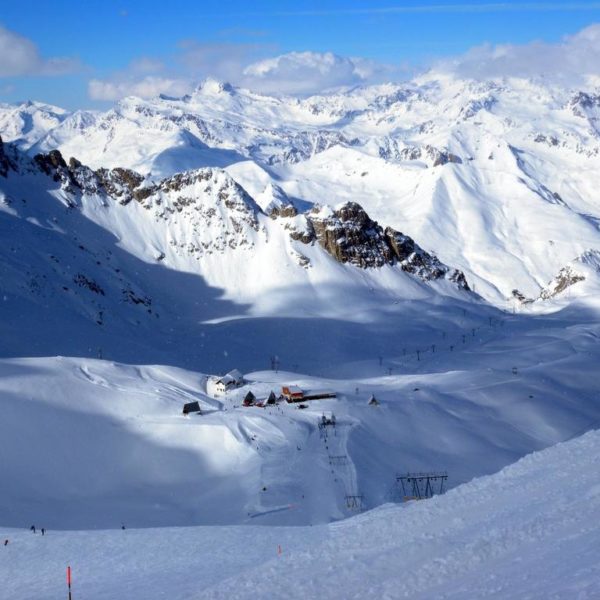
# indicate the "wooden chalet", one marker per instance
pixel 249 399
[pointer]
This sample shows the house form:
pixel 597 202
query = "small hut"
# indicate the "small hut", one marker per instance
pixel 250 399
pixel 272 399
pixel 373 401
pixel 191 407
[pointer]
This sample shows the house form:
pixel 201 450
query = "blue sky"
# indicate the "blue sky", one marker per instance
pixel 61 48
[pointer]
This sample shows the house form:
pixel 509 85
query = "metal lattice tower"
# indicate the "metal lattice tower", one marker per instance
pixel 417 486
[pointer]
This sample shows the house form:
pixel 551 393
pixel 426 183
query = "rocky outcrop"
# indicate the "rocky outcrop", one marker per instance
pixel 51 163
pixel 5 163
pixel 351 236
pixel 582 102
pixel 392 150
pixel 286 210
pixel 565 278
pixel 211 213
pixel 122 184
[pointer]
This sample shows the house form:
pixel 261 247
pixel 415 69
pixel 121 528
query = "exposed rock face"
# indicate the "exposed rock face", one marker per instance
pixel 51 162
pixel 583 102
pixel 566 277
pixel 308 143
pixel 351 236
pixel 4 162
pixel 210 212
pixel 550 140
pixel 121 184
pixel 287 210
pixel 391 150
pixel 521 297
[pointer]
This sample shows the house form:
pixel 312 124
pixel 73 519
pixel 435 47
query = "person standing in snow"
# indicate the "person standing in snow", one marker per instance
pixel 32 528
pixel 43 531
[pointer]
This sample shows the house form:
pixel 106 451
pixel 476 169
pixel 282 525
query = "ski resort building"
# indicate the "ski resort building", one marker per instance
pixel 230 381
pixel 250 399
pixel 292 393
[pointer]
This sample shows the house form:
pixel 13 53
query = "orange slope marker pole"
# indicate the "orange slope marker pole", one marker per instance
pixel 69 581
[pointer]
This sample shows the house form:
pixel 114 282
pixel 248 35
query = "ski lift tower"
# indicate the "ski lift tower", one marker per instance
pixel 418 486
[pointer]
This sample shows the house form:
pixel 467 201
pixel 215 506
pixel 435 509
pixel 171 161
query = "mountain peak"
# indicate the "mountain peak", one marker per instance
pixel 213 86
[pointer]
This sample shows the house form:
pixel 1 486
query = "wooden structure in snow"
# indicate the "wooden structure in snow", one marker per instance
pixel 292 393
pixel 191 407
pixel 249 400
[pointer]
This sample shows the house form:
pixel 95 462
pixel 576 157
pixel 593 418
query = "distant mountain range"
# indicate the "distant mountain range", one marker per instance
pixel 498 180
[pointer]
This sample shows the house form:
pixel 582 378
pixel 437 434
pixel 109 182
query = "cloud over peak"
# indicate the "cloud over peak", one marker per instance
pixel 575 60
pixel 310 72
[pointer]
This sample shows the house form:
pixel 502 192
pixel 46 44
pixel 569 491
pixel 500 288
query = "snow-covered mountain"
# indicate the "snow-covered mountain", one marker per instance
pixel 362 242
pixel 497 178
pixel 100 246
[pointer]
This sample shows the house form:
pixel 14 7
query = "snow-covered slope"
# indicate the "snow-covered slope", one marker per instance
pixel 91 443
pixel 25 124
pixel 115 256
pixel 529 531
pixel 300 255
pixel 497 178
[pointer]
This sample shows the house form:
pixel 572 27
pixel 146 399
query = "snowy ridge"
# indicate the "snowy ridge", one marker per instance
pixel 496 178
pixel 203 222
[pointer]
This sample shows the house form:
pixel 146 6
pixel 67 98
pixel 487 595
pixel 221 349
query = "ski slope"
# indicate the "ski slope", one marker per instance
pixel 92 443
pixel 122 293
pixel 529 531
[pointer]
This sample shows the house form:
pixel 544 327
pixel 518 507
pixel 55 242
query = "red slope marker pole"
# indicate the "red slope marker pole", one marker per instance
pixel 69 581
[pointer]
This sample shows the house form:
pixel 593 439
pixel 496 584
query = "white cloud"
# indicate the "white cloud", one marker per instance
pixel 147 87
pixel 20 56
pixel 293 73
pixel 147 77
pixel 308 72
pixel 574 60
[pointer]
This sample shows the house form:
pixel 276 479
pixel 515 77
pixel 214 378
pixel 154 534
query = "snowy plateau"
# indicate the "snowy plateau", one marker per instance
pixel 422 259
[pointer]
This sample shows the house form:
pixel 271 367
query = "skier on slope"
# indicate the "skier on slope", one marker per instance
pixel 32 528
